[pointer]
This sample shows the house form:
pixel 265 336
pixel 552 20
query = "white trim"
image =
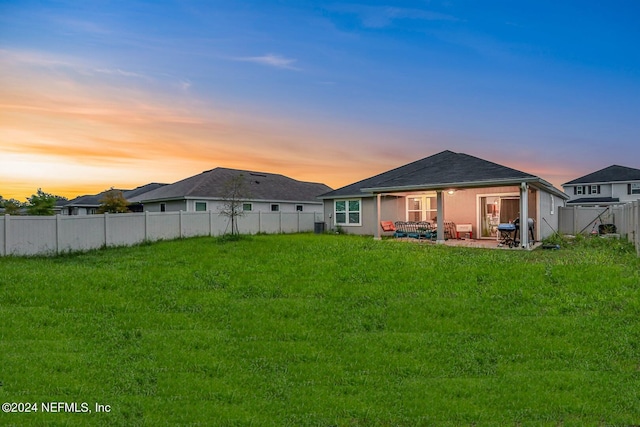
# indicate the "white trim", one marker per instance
pixel 423 209
pixel 479 209
pixel 347 224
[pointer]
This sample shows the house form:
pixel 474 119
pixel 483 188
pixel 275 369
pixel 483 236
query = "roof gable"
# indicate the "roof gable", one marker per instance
pixel 443 168
pixel 613 173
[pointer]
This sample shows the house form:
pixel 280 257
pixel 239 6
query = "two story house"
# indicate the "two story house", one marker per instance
pixel 609 186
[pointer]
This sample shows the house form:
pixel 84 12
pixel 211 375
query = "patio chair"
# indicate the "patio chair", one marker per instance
pixel 387 226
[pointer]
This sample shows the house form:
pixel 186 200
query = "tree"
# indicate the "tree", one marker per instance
pixel 11 206
pixel 113 201
pixel 41 203
pixel 234 192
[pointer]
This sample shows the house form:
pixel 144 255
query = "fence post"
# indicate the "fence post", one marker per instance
pixel 180 224
pixel 146 226
pixel 298 221
pixel 7 234
pixel 58 233
pixel 106 229
pixel 210 223
pixel 574 211
pixel 259 221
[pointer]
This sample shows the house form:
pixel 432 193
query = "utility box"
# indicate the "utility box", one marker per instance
pixel 318 227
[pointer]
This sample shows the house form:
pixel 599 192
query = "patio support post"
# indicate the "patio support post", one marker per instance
pixel 376 236
pixel 524 215
pixel 440 221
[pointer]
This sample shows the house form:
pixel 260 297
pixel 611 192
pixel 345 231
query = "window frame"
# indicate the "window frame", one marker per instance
pixel 299 208
pixel 247 207
pixel 196 204
pixel 635 188
pixel 428 206
pixel 347 212
pixel 276 206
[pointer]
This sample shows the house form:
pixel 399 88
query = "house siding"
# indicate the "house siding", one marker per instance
pixel 615 190
pixel 216 206
pixel 171 206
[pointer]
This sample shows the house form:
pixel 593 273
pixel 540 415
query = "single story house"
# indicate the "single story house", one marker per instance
pixel 262 192
pixel 89 204
pixel 447 186
pixel 609 186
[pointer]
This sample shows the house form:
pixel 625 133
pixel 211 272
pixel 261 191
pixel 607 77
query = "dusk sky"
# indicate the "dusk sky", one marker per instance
pixel 100 94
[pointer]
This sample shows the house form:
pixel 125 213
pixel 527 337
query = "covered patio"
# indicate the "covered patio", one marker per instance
pixel 470 209
pixel 475 195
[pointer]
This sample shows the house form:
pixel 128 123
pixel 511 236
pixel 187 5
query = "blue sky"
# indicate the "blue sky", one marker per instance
pixel 107 93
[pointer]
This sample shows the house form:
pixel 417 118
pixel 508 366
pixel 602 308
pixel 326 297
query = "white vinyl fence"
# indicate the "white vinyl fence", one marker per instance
pixel 586 220
pixel 45 235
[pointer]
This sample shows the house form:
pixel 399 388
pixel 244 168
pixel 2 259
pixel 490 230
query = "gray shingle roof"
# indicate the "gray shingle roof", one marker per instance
pixel 594 200
pixel 445 167
pixel 93 200
pixel 612 173
pixel 261 186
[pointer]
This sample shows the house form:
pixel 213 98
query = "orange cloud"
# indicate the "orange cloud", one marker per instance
pixel 72 131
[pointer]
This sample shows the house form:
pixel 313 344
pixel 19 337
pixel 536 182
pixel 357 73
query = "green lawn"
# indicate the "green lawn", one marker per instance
pixel 324 330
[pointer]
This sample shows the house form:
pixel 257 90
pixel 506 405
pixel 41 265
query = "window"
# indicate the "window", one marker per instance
pixel 299 208
pixel 595 189
pixel 247 207
pixel 347 212
pixel 275 207
pixel 578 189
pixel 421 208
pixel 634 188
pixel 163 207
pixel 201 206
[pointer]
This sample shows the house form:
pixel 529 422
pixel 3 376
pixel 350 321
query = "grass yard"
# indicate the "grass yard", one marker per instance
pixel 323 330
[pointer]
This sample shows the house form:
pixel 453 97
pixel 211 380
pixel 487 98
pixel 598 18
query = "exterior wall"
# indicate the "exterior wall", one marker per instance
pixel 548 221
pixel 620 191
pixel 615 190
pixel 216 206
pixel 367 216
pixel 606 190
pixel 171 206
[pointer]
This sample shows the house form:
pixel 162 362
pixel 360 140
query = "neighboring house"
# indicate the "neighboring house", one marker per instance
pixel 89 204
pixel 609 186
pixel 265 192
pixel 447 186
